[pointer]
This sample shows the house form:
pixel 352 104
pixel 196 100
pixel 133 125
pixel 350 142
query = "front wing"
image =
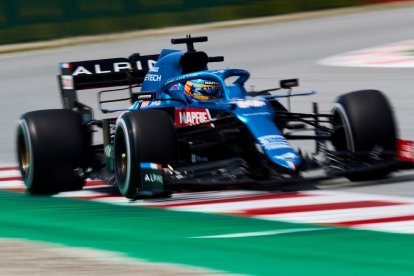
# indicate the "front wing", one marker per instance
pixel 234 173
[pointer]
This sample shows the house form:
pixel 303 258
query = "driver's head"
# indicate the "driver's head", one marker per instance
pixel 203 89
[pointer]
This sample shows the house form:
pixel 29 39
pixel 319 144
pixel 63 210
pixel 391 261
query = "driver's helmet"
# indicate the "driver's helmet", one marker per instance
pixel 203 89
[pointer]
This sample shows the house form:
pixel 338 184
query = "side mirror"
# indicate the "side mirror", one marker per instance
pixel 289 83
pixel 142 96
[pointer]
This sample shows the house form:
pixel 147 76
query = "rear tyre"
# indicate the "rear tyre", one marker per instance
pixel 142 136
pixel 364 120
pixel 51 151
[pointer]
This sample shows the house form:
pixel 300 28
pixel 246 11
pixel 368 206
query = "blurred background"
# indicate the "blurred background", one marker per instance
pixel 28 20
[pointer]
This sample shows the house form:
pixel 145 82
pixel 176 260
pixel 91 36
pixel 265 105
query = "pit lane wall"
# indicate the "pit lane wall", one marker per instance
pixel 36 20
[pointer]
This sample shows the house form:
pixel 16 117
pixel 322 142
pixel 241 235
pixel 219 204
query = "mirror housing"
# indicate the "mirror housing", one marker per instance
pixel 289 83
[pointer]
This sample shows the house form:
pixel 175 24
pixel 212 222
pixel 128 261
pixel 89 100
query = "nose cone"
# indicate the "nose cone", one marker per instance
pixel 288 160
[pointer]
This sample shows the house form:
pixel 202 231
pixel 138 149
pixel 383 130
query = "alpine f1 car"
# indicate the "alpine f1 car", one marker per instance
pixel 190 128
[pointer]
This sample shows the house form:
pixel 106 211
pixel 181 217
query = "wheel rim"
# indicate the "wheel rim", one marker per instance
pixel 24 156
pixel 124 163
pixel 25 159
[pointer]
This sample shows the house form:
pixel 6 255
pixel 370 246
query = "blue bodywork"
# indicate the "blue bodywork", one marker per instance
pixel 166 81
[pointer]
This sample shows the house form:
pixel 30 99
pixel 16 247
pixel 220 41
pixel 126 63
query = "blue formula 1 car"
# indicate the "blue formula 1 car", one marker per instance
pixel 190 128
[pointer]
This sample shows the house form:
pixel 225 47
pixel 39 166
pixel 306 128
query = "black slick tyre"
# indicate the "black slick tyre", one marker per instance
pixel 364 121
pixel 50 148
pixel 142 136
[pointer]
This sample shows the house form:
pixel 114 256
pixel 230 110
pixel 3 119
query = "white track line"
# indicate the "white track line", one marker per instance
pixel 9 173
pixel 261 233
pixel 11 184
pixel 343 215
pixel 86 193
pixel 235 207
pixel 405 227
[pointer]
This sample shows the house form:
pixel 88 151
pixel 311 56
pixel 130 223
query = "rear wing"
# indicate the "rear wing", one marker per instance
pixel 129 72
pixel 101 73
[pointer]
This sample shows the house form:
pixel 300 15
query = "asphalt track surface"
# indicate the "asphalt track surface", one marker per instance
pixel 269 52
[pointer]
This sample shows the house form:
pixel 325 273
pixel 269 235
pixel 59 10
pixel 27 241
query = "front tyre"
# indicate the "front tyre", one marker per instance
pixel 142 136
pixel 51 151
pixel 363 121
